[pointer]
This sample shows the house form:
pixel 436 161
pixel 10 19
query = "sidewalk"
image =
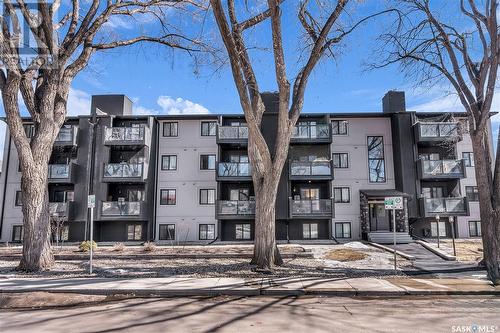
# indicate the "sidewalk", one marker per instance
pixel 179 286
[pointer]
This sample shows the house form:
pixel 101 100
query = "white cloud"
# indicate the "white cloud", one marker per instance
pixel 78 102
pixel 175 106
pixel 118 22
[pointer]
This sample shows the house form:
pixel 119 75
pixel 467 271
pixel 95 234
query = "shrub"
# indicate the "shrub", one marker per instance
pixel 85 246
pixel 149 246
pixel 118 247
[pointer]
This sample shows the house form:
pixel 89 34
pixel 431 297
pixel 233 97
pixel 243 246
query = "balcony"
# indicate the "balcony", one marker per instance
pixel 320 170
pixel 235 209
pixel 62 173
pixel 123 172
pixel 319 133
pixel 432 132
pixel 444 207
pixel 316 208
pixel 441 169
pixel 127 136
pixel 62 210
pixel 67 136
pixel 234 171
pixel 237 135
pixel 133 210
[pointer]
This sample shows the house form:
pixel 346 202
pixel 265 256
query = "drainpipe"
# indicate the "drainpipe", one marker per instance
pixel 156 175
pixel 5 185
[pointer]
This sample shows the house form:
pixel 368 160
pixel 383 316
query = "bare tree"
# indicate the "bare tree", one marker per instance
pixel 41 74
pixel 321 24
pixel 460 46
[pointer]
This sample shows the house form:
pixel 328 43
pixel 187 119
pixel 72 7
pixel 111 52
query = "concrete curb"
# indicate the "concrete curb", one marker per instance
pixel 388 249
pixel 436 251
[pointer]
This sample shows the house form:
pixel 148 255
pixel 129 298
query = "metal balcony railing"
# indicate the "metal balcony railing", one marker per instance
pixel 438 130
pixel 442 168
pixel 311 207
pixel 308 132
pixel 59 171
pixel 444 206
pixel 123 170
pixel 234 169
pixel 124 134
pixel 66 136
pixel 315 168
pixel 228 133
pixel 121 208
pixel 235 207
pixel 58 209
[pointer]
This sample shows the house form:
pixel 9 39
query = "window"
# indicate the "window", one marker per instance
pixel 19 197
pixel 376 163
pixel 167 232
pixel 170 129
pixel 207 231
pixel 429 156
pixel 29 130
pixel 134 232
pixel 343 230
pixel 310 230
pixel 433 192
pixel 442 229
pixel 64 233
pixel 168 197
pixel 207 196
pixel 339 127
pixel 242 231
pixel 239 194
pixel 207 162
pixel 208 128
pixel 17 233
pixel 340 160
pixel 341 194
pixel 475 228
pixel 169 162
pixel 469 159
pixel 472 193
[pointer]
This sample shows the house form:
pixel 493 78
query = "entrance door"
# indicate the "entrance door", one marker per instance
pixel 379 218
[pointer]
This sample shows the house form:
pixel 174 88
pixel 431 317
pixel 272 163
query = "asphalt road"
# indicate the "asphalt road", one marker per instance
pixel 262 314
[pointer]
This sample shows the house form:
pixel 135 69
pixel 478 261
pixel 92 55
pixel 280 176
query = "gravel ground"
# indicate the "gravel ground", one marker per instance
pixel 378 263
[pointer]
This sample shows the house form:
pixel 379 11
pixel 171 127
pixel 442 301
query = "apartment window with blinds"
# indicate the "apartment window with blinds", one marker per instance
pixel 167 232
pixel 207 231
pixel 469 158
pixel 342 230
pixel 19 197
pixel 310 230
pixel 340 160
pixel 207 162
pixel 17 233
pixel 341 194
pixel 170 129
pixel 339 127
pixel 243 231
pixel 376 162
pixel 475 228
pixel 168 197
pixel 169 162
pixel 208 128
pixel 134 232
pixel 472 193
pixel 207 196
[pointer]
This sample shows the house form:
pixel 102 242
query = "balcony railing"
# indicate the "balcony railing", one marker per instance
pixel 124 135
pixel 318 132
pixel 234 170
pixel 66 136
pixel 441 169
pixel 59 171
pixel 121 208
pixel 59 209
pixel 444 206
pixel 117 171
pixel 235 208
pixel 432 131
pixel 232 134
pixel 312 208
pixel 316 169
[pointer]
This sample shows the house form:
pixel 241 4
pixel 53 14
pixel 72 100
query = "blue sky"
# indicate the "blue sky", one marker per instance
pixel 161 81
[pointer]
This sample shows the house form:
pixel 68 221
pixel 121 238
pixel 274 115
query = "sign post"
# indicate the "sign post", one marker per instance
pixel 393 203
pixel 91 205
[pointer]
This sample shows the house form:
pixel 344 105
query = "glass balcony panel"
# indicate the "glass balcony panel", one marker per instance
pixel 246 207
pixel 301 169
pixel 59 171
pixel 311 207
pixel 123 170
pixel 445 205
pixel 228 207
pixel 234 169
pixel 124 134
pixel 452 167
pixel 436 130
pixel 318 168
pixel 429 130
pixel 318 131
pixel 65 134
pixel 124 208
pixel 321 168
pixel 442 167
pixel 455 205
pixel 233 132
pixel 58 208
pixel 235 207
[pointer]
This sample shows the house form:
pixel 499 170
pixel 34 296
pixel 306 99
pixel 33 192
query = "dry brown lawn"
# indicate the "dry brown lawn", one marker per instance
pixel 467 250
pixel 346 255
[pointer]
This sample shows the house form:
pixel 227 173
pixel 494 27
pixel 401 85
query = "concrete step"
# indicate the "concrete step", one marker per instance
pixel 388 237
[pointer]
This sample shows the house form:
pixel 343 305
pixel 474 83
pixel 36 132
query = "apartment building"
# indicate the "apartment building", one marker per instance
pixel 187 178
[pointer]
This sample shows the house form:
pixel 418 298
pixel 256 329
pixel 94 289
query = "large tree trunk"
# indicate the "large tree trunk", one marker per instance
pixel 266 253
pixel 37 253
pixel 488 205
